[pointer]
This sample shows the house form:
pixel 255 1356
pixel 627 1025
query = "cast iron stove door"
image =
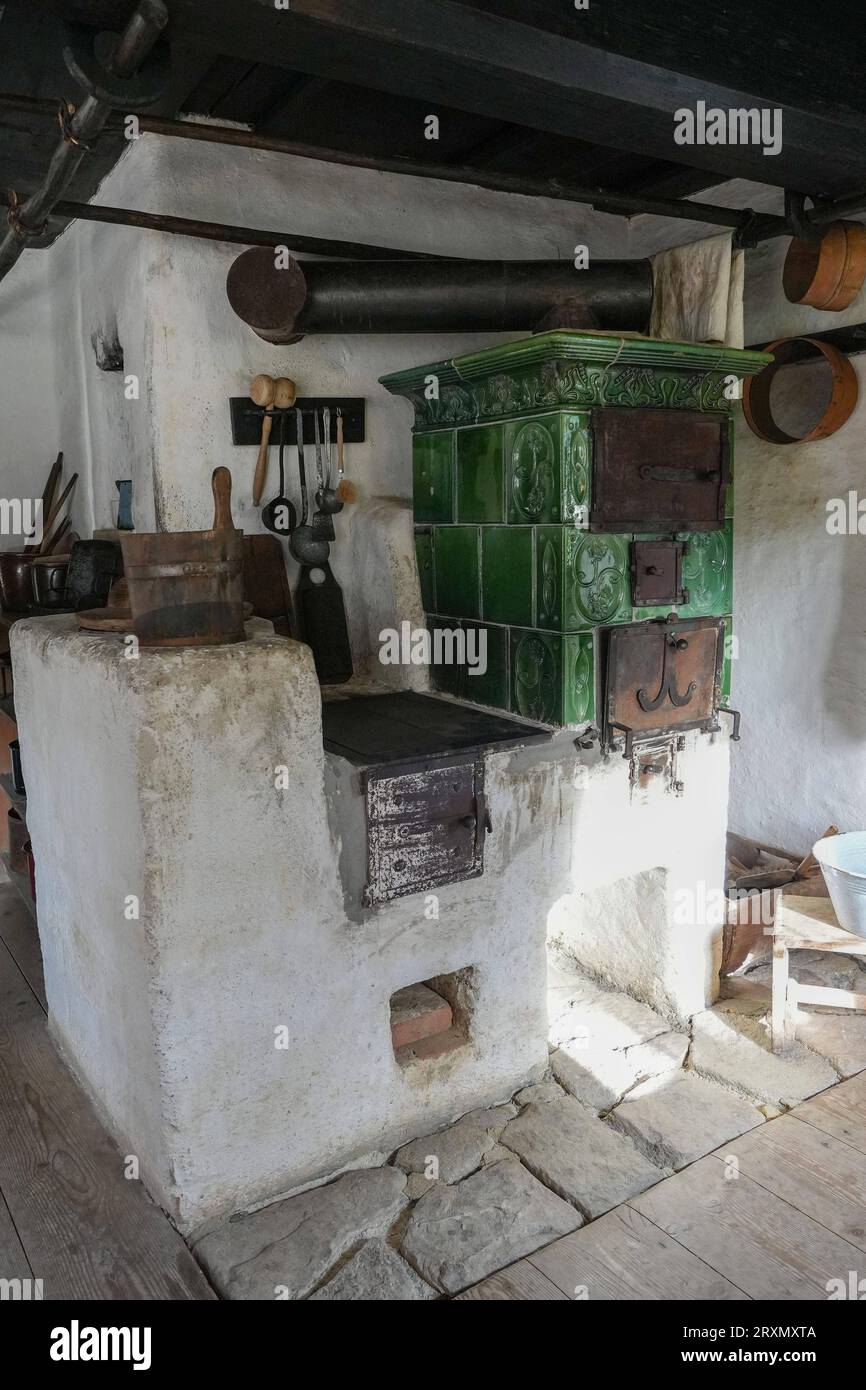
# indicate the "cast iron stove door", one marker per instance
pixel 657 573
pixel 425 828
pixel 658 470
pixel 662 676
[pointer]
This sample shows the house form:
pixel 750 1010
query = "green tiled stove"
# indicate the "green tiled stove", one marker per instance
pixel 573 495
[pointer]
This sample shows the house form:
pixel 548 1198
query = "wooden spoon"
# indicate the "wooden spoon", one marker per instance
pixel 262 388
pixel 346 490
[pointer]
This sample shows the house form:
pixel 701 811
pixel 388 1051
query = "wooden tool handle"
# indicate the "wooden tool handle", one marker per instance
pixel 55 511
pixel 57 536
pixel 48 496
pixel 53 480
pixel 261 472
pixel 339 444
pixel 221 482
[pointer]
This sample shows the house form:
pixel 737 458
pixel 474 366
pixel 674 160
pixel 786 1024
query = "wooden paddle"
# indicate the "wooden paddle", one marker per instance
pixel 47 498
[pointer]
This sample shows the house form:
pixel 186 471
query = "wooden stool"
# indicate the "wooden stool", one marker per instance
pixel 807 924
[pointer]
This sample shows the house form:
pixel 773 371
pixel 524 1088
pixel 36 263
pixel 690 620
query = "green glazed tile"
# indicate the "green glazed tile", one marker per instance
pixel 506 574
pixel 536 675
pixel 446 676
pixel 480 474
pixel 578 678
pixel 426 574
pixel 576 371
pixel 432 476
pixel 532 460
pixel 549 594
pixel 457 573
pixel 491 686
pixel 640 615
pixel 576 454
pixel 708 572
pixel 596 583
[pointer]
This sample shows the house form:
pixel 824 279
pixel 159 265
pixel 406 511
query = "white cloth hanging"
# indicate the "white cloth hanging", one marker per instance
pixel 698 293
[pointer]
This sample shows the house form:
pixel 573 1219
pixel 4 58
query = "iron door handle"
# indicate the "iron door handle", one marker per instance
pixel 480 822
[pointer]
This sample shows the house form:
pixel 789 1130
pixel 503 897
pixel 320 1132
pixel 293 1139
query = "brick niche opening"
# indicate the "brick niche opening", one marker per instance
pixel 432 1017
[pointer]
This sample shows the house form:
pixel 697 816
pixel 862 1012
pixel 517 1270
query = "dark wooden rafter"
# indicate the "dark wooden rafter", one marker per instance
pixel 484 63
pixel 507 140
pixel 284 109
pixel 788 50
pixel 490 64
pixel 607 200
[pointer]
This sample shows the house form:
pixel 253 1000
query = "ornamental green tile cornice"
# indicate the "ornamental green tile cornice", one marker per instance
pixel 604 348
pixel 569 370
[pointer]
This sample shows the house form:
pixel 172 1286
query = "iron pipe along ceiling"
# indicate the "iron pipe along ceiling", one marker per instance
pixel 282 304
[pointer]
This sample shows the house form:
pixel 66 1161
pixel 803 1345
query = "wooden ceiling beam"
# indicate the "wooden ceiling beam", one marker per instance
pixel 475 61
pixel 508 139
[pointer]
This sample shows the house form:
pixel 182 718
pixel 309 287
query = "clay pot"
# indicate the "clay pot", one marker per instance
pixel 16 589
pixel 48 578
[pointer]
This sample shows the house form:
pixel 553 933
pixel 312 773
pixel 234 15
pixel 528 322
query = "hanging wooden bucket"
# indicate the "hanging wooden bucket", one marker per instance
pixel 186 587
pixel 826 274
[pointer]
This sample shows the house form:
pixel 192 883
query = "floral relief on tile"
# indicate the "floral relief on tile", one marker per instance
pixel 598 578
pixel 548 583
pixel 582 679
pixel 706 571
pixel 533 472
pixel 535 679
pixel 575 454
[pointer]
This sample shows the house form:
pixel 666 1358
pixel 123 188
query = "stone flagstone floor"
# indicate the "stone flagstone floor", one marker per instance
pixel 629 1099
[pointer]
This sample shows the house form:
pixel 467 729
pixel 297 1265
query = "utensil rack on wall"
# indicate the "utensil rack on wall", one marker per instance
pixel 247 418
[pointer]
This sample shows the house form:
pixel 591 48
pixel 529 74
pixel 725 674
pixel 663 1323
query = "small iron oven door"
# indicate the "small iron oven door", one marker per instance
pixel 425 827
pixel 662 676
pixel 658 470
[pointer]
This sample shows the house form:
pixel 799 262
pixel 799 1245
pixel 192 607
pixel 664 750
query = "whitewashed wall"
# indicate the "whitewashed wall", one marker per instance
pixel 799 594
pixel 191 353
pixel 29 423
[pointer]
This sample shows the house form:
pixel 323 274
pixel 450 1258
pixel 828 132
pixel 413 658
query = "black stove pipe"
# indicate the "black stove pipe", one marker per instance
pixel 282 302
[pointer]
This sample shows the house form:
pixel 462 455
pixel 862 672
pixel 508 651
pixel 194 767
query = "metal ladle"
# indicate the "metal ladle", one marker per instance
pixel 327 499
pixel 306 548
pixel 280 515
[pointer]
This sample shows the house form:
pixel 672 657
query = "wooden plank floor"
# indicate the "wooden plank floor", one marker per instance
pixel 68 1216
pixel 779 1224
